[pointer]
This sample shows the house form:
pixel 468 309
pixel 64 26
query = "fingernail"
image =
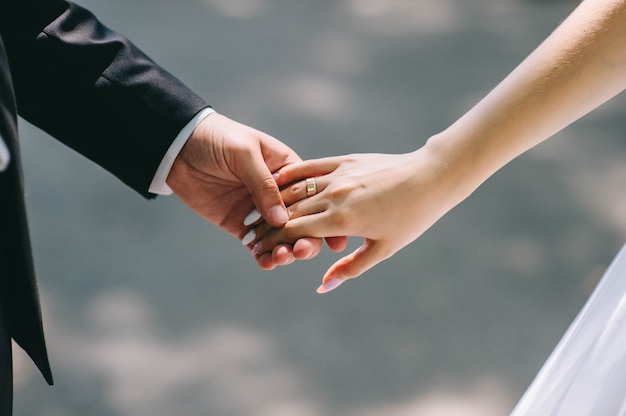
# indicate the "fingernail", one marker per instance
pixel 331 284
pixel 248 238
pixel 257 248
pixel 252 217
pixel 276 176
pixel 278 214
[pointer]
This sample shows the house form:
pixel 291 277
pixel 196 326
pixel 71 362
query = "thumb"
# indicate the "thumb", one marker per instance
pixel 265 193
pixel 353 265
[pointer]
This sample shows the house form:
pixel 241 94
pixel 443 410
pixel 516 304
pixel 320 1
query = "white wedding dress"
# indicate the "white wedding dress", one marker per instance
pixel 586 373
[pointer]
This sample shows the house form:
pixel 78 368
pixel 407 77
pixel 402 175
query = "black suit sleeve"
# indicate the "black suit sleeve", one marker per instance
pixel 92 89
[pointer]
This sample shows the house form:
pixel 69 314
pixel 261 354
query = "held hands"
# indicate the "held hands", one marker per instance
pixel 224 170
pixel 389 200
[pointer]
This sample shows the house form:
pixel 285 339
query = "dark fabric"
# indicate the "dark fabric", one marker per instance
pixel 6 370
pixel 7 124
pixel 20 300
pixel 90 88
pixel 6 367
pixel 93 89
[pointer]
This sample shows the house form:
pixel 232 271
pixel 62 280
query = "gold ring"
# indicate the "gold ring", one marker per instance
pixel 311 187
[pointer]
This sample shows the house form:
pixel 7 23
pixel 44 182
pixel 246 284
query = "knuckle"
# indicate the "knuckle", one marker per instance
pixel 341 191
pixel 268 185
pixel 295 189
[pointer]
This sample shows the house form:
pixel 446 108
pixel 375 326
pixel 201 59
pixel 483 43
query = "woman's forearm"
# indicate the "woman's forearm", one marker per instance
pixel 390 200
pixel 578 67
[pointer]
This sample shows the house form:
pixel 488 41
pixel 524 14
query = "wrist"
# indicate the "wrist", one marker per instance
pixel 459 168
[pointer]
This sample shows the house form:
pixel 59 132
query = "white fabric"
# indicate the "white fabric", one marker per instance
pixel 158 185
pixel 5 157
pixel 586 372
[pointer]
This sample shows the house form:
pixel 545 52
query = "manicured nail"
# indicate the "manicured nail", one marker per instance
pixel 252 217
pixel 248 238
pixel 278 214
pixel 257 248
pixel 331 284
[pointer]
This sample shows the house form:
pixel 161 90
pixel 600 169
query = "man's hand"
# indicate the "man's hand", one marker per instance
pixel 225 170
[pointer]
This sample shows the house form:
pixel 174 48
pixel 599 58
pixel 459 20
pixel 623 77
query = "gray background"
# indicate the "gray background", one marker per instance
pixel 151 311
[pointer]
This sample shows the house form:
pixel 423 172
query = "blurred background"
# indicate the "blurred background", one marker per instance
pixel 149 310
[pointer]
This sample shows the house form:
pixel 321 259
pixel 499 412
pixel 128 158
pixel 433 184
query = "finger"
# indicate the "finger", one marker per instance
pixel 299 190
pixel 277 154
pixel 307 248
pixel 283 255
pixel 297 210
pixel 337 244
pixel 264 190
pixel 308 168
pixel 260 231
pixel 291 194
pixel 265 261
pixel 353 265
pixel 308 226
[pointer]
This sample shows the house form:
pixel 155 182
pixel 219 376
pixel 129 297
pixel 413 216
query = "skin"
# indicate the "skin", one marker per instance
pixel 581 65
pixel 225 169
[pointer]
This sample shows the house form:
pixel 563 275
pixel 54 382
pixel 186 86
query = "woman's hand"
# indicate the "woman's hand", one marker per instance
pixel 389 200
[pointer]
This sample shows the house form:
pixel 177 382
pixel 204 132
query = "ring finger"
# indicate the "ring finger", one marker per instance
pixel 303 189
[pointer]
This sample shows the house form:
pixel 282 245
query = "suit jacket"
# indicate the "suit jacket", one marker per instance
pixel 92 89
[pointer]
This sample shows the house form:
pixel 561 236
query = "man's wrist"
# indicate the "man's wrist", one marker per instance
pixel 158 185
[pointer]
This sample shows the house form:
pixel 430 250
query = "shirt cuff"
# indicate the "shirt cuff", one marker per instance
pixel 158 185
pixel 5 156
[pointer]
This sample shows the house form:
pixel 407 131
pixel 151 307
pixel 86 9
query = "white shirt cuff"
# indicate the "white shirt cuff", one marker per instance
pixel 5 157
pixel 158 185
